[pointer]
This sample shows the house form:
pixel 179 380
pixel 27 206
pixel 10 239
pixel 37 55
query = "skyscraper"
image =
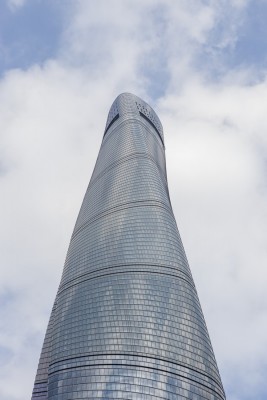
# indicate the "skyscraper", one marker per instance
pixel 127 322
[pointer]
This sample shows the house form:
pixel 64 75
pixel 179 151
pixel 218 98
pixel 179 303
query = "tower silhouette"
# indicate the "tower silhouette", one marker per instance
pixel 127 322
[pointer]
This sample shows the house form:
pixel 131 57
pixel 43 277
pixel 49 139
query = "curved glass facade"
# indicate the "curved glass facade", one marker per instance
pixel 127 323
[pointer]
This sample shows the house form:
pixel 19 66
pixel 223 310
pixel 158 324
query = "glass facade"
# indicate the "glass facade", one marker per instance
pixel 127 322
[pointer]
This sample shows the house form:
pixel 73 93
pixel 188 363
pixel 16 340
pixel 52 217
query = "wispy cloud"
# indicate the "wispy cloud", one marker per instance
pixel 176 56
pixel 15 4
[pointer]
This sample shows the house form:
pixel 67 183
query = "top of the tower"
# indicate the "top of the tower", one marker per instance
pixel 128 103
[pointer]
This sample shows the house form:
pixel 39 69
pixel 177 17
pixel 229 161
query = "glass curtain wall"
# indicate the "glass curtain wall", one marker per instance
pixel 127 322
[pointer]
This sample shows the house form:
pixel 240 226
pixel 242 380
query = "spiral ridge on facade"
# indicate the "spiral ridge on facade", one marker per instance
pixel 127 322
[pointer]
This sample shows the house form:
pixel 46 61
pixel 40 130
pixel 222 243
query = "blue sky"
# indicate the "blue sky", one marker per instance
pixel 251 44
pixel 29 34
pixel 202 65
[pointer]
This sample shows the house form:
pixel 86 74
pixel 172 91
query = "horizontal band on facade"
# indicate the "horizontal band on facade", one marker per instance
pixel 114 363
pixel 210 389
pixel 119 207
pixel 122 160
pixel 40 382
pixel 188 278
pixel 125 272
pixel 39 393
pixel 131 265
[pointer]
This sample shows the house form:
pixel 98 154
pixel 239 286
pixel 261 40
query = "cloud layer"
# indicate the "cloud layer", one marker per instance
pixel 175 55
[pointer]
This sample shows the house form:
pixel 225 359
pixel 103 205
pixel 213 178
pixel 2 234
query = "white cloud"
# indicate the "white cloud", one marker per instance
pixel 15 4
pixel 46 126
pixel 216 157
pixel 51 121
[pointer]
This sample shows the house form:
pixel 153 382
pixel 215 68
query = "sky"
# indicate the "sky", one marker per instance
pixel 202 65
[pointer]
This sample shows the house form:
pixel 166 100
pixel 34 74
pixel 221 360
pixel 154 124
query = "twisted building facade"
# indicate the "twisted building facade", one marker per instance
pixel 127 322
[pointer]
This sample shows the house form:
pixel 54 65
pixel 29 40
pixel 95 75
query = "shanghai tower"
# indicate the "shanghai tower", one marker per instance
pixel 127 322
